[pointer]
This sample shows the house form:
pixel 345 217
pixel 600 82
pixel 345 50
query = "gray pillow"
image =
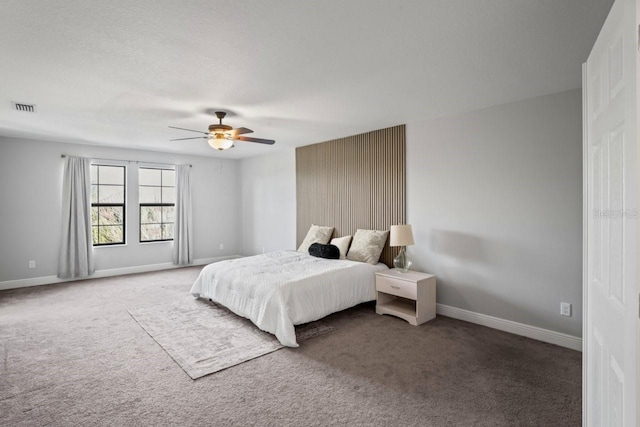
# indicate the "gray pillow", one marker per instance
pixel 367 245
pixel 316 234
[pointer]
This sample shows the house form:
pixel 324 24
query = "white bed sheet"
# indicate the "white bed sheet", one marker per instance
pixel 281 289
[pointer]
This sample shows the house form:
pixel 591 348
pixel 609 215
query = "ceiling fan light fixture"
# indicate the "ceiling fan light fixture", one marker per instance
pixel 221 137
pixel 220 142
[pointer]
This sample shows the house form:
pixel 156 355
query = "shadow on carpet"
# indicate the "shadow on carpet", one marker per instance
pixel 204 337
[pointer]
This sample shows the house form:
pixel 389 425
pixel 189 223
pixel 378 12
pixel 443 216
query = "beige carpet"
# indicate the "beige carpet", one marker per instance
pixel 71 355
pixel 204 338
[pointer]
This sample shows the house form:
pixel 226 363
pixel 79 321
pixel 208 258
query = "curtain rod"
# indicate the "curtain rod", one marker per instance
pixel 129 161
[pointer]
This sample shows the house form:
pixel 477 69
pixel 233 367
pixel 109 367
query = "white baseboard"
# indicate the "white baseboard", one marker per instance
pixel 540 334
pixel 47 280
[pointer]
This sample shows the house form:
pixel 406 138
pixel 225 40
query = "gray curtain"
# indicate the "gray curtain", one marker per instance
pixel 183 234
pixel 76 247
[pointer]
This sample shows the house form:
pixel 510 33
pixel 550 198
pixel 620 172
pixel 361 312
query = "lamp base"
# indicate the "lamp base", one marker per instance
pixel 402 261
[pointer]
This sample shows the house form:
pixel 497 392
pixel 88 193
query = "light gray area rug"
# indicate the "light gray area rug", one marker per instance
pixel 204 338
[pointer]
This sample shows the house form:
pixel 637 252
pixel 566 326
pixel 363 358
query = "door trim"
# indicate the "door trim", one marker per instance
pixel 585 276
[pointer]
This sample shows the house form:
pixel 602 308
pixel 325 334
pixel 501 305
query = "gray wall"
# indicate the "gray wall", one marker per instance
pixel 495 200
pixel 31 188
pixel 268 202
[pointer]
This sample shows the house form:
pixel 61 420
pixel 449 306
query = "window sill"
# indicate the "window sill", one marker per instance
pixel 156 242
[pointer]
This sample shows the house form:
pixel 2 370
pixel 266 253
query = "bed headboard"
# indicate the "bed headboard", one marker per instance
pixel 354 182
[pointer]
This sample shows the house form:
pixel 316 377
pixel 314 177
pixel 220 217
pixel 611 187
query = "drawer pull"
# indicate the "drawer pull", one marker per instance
pixel 395 287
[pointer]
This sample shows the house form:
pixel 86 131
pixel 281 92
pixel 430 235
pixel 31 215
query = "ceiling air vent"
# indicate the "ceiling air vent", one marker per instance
pixel 27 108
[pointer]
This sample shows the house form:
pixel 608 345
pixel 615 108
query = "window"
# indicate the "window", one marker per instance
pixel 157 204
pixel 107 204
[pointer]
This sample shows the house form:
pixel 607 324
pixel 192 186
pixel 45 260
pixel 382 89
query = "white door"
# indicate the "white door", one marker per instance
pixel 611 216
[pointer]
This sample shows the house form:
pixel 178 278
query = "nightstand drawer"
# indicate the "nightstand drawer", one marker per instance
pixel 396 287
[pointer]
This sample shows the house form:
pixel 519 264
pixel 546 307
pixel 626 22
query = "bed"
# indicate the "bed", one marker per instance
pixel 281 289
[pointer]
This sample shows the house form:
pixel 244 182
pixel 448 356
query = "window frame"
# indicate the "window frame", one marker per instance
pixel 99 205
pixel 153 205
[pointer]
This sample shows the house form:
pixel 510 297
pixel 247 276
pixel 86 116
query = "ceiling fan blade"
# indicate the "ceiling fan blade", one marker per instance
pixel 190 130
pixel 193 137
pixel 241 131
pixel 258 140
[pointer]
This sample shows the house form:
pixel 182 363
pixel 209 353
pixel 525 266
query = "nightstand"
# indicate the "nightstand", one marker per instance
pixel 410 296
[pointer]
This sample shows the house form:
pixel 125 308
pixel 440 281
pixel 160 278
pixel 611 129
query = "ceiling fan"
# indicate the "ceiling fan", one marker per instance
pixel 221 136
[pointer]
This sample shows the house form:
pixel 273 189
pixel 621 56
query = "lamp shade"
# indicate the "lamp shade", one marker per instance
pixel 401 235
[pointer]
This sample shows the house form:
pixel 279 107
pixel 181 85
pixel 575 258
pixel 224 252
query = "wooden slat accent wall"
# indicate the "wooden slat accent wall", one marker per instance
pixel 354 182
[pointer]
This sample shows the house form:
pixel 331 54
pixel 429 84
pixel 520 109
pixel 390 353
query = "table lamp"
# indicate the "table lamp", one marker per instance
pixel 401 235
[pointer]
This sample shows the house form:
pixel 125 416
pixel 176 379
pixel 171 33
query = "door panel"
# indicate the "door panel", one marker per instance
pixel 610 332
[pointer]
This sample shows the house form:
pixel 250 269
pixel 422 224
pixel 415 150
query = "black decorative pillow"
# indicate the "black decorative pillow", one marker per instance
pixel 324 251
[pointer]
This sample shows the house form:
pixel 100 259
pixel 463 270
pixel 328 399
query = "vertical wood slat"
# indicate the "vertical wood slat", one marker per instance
pixel 354 182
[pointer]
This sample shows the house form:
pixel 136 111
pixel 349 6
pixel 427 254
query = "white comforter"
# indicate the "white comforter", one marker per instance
pixel 280 289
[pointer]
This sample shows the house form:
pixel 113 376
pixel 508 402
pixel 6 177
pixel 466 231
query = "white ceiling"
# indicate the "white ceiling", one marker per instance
pixel 120 72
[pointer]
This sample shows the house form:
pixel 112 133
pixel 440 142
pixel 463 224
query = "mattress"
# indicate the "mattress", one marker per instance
pixel 281 289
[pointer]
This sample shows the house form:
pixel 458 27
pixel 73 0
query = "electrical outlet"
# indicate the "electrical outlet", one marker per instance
pixel 32 264
pixel 221 246
pixel 565 309
pixel 263 249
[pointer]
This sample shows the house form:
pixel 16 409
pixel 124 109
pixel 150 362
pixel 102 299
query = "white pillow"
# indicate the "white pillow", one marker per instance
pixel 367 245
pixel 316 234
pixel 343 244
